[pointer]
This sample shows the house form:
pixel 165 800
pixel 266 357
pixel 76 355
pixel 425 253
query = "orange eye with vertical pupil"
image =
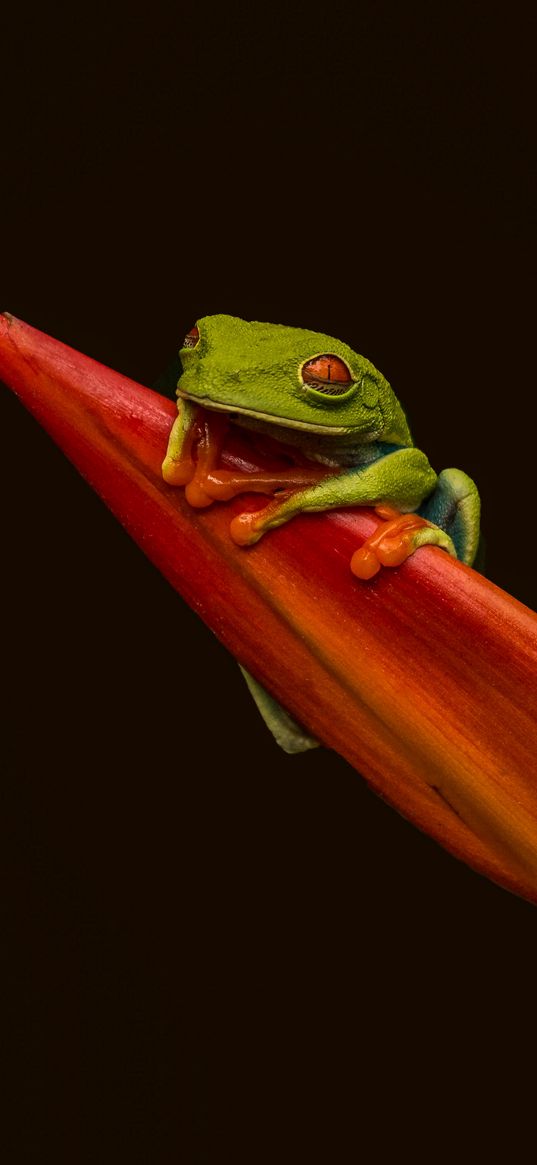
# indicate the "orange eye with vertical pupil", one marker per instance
pixel 328 374
pixel 191 338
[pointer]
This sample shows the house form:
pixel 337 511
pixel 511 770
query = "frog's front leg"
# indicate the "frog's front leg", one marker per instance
pixel 178 466
pixel 401 479
pixel 194 429
pixel 200 431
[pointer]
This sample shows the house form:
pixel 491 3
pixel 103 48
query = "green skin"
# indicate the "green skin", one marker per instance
pixel 253 372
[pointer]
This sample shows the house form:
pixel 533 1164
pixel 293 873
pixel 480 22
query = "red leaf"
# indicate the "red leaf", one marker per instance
pixel 423 678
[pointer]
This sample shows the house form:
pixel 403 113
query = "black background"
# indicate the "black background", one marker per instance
pixel 201 933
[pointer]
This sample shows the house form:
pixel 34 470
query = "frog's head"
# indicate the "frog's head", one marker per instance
pixel 291 377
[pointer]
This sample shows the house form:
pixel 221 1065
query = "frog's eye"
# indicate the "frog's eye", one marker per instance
pixel 191 338
pixel 328 374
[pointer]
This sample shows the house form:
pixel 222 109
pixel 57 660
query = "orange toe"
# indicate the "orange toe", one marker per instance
pixel 390 545
pixel 364 562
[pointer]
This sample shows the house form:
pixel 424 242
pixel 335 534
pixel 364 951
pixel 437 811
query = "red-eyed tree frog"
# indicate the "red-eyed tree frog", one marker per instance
pixel 315 393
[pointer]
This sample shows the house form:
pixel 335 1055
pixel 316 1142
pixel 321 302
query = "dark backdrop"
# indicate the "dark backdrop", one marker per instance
pixel 245 941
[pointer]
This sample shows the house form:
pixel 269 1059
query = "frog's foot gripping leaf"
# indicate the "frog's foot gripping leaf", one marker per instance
pixel 448 518
pixel 192 458
pixel 287 732
pixel 193 451
pixel 395 540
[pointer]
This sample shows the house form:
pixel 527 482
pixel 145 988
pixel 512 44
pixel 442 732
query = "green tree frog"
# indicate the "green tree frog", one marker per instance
pixel 353 442
pixel 314 392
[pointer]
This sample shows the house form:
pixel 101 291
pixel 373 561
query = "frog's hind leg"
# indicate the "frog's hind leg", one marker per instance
pixel 287 732
pixel 455 508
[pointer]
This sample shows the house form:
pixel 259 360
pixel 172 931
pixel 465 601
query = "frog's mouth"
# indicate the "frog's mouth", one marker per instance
pixel 283 422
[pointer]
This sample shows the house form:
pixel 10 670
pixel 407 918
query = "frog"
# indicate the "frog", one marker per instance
pixel 331 405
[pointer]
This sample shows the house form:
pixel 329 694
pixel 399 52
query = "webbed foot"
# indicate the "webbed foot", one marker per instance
pixel 395 540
